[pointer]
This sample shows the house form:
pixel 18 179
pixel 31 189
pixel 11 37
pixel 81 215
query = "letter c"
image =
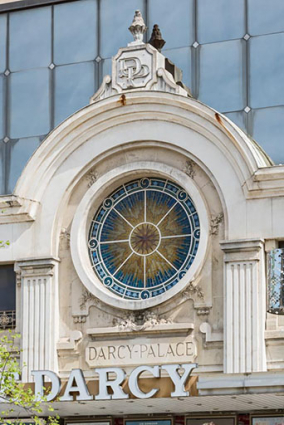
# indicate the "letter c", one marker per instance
pixel 133 381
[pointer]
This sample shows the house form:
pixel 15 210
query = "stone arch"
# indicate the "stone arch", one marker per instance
pixel 219 147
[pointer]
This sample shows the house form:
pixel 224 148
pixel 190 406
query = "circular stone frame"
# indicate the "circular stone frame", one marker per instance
pixel 92 200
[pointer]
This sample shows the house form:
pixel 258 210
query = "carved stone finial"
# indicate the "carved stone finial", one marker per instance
pixel 137 28
pixel 156 39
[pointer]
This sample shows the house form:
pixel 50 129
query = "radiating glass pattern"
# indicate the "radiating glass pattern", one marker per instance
pixel 143 238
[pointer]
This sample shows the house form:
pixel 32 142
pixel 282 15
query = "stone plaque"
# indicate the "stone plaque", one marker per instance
pixel 134 69
pixel 140 351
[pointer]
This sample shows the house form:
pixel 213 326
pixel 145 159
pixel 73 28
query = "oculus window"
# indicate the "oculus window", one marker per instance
pixel 143 238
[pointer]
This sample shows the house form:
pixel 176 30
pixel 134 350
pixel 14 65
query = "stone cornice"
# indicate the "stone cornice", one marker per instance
pixel 14 209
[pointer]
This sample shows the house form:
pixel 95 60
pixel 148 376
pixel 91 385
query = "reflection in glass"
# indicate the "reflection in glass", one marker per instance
pixel 30 39
pixel 221 75
pixel 266 70
pixel 182 59
pixel 238 118
pixel 29 103
pixel 220 20
pixel 268 130
pixel 75 32
pixel 7 287
pixel 106 63
pixel 116 17
pixel 74 85
pixel 177 28
pixel 265 17
pixel 2 108
pixel 20 153
pixel 2 168
pixel 275 281
pixel 3 39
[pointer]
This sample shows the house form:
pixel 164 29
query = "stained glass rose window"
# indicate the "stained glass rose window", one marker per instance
pixel 143 238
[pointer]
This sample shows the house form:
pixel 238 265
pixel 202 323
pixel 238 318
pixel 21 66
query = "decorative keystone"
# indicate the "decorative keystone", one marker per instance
pixel 137 28
pixel 156 39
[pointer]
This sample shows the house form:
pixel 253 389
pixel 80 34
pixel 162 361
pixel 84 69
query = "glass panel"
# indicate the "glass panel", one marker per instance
pixel 2 168
pixel 237 118
pixel 30 39
pixel 21 151
pixel 275 281
pixel 182 59
pixel 106 67
pixel 266 70
pixel 3 39
pixel 7 288
pixel 265 17
pixel 219 20
pixel 74 85
pixel 75 31
pixel 29 103
pixel 221 75
pixel 116 17
pixel 2 109
pixel 177 27
pixel 268 130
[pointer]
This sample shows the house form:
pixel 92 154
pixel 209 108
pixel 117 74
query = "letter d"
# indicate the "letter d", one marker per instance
pixel 39 384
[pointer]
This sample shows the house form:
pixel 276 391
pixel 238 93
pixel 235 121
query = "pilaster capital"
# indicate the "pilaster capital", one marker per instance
pixel 242 249
pixel 33 267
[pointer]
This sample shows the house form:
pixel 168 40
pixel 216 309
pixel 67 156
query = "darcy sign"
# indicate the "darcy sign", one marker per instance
pixel 124 352
pixel 178 373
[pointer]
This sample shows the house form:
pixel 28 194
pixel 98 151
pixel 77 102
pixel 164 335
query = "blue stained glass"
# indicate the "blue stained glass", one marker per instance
pixel 149 231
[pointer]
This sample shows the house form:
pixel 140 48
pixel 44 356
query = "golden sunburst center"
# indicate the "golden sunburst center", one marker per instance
pixel 145 238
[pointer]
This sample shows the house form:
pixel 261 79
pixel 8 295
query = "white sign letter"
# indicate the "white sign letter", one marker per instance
pixel 39 384
pixel 104 382
pixel 133 381
pixel 78 387
pixel 178 380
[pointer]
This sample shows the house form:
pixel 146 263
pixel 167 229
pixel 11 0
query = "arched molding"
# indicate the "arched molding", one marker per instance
pixel 226 155
pixel 245 156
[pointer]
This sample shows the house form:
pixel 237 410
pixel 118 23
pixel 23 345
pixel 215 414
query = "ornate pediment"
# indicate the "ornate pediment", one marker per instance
pixel 140 66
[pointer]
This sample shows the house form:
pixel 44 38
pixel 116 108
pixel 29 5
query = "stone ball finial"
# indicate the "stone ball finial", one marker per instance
pixel 138 28
pixel 156 39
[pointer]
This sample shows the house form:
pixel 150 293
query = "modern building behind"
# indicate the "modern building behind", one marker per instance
pixel 53 59
pixel 143 242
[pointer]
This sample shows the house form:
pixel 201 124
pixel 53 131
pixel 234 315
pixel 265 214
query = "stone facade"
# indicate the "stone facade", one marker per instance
pixel 141 123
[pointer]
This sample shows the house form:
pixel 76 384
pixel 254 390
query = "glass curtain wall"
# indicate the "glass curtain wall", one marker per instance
pixel 53 58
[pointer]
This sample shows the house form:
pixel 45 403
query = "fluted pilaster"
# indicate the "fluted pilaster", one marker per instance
pixel 39 315
pixel 244 306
